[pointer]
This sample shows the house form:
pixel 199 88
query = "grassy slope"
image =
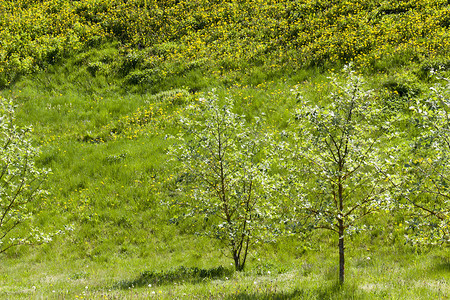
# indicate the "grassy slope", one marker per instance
pixel 101 110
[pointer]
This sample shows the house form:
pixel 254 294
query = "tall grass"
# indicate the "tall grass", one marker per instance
pixel 103 106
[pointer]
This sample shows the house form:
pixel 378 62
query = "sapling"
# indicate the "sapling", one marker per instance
pixel 20 182
pixel 426 185
pixel 224 175
pixel 338 158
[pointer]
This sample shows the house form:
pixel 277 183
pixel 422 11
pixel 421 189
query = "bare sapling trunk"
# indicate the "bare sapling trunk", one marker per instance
pixel 341 252
pixel 340 217
pixel 239 263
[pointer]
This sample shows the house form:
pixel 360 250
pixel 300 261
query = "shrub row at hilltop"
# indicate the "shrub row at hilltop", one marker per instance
pixel 223 35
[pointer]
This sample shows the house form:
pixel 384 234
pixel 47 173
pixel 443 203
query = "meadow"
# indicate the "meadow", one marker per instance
pixel 104 85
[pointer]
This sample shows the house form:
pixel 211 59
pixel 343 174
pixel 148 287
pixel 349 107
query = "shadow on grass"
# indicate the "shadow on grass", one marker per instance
pixel 181 274
pixel 442 264
pixel 325 292
pixel 297 294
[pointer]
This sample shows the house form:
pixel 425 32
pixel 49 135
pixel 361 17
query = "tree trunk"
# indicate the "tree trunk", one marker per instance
pixel 341 253
pixel 341 227
pixel 237 262
pixel 239 257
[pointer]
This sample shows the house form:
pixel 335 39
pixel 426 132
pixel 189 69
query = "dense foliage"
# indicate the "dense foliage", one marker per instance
pixel 161 38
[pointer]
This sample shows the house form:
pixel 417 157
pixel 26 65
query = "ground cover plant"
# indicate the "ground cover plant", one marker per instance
pixel 104 85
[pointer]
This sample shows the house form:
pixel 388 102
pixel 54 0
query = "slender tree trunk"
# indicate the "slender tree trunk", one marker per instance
pixel 341 230
pixel 240 257
pixel 341 252
pixel 237 261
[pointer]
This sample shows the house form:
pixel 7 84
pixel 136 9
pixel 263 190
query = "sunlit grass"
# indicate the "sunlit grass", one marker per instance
pixel 384 274
pixel 104 88
pixel 114 187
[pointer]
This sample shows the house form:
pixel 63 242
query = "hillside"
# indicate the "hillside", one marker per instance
pixel 104 83
pixel 155 40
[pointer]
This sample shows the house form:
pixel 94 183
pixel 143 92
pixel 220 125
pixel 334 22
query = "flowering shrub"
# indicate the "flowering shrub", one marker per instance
pixel 227 33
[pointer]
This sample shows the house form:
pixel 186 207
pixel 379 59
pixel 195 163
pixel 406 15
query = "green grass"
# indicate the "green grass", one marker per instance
pixel 384 274
pixel 103 108
pixel 112 181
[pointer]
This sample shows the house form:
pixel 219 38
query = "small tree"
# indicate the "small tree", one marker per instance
pixel 427 183
pixel 20 181
pixel 339 159
pixel 225 177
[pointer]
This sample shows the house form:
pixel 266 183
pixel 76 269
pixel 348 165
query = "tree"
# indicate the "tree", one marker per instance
pixel 427 184
pixel 20 181
pixel 224 175
pixel 339 159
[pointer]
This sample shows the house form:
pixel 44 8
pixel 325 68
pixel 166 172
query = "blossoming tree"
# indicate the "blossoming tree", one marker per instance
pixel 426 185
pixel 20 182
pixel 225 175
pixel 338 159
